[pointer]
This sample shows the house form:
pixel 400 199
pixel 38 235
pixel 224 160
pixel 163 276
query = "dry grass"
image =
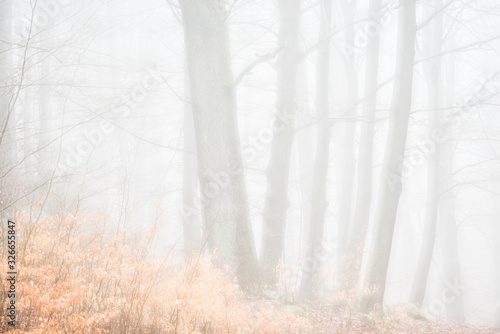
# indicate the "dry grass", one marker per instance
pixel 74 277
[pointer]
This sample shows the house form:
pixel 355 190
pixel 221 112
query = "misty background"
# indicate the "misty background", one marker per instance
pixel 321 149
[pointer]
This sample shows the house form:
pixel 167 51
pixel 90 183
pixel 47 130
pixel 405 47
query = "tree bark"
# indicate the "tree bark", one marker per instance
pixel 45 157
pixel 312 261
pixel 432 68
pixel 7 153
pixel 6 61
pixel 305 156
pixel 347 172
pixel 190 216
pixel 276 202
pixel 391 180
pixel 448 224
pixel 496 258
pixel 220 169
pixel 365 169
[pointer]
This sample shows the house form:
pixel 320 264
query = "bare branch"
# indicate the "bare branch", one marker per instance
pixel 255 63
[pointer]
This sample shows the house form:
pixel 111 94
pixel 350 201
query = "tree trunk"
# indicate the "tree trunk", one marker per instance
pixel 8 81
pixel 190 216
pixel 451 262
pixel 432 68
pixel 391 180
pixel 312 261
pixel 6 62
pixel 305 156
pixel 448 225
pixel 45 157
pixel 347 172
pixel 220 169
pixel 276 202
pixel 496 258
pixel 364 185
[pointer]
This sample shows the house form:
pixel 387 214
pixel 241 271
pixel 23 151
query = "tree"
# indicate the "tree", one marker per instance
pixel 190 217
pixel 318 191
pixel 346 192
pixel 496 258
pixel 220 172
pixel 391 180
pixel 362 210
pixel 6 61
pixel 432 72
pixel 8 99
pixel 276 202
pixel 447 210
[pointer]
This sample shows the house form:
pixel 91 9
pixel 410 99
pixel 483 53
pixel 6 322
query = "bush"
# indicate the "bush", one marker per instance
pixel 76 277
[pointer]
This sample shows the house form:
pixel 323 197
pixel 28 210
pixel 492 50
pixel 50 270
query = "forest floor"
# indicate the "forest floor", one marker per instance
pixel 314 319
pixel 325 322
pixel 89 283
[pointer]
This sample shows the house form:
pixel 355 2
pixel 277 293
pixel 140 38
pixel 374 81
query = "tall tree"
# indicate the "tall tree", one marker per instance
pixel 276 202
pixel 496 258
pixel 7 102
pixel 190 216
pixel 357 235
pixel 305 140
pixel 6 62
pixel 391 179
pixel 447 210
pixel 213 101
pixel 45 158
pixel 432 42
pixel 346 192
pixel 318 191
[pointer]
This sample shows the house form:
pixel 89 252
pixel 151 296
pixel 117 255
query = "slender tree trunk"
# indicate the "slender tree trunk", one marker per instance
pixel 29 144
pixel 5 65
pixel 305 156
pixel 432 68
pixel 312 261
pixel 448 224
pixel 496 258
pixel 452 275
pixel 276 202
pixel 45 158
pixel 6 61
pixel 191 219
pixel 391 180
pixel 220 169
pixel 364 185
pixel 7 152
pixel 347 172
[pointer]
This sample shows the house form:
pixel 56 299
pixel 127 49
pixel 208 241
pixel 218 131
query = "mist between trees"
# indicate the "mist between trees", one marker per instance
pixel 289 160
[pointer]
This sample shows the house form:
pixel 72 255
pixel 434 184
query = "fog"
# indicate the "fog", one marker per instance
pixel 320 154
